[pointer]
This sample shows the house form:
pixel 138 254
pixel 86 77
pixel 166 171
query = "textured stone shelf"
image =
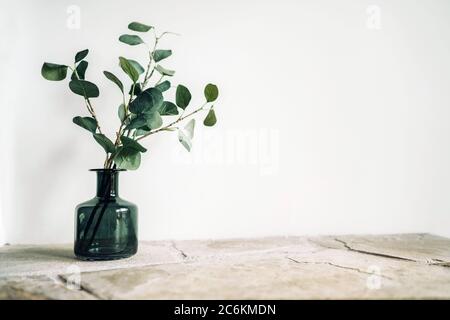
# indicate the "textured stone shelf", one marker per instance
pixel 340 267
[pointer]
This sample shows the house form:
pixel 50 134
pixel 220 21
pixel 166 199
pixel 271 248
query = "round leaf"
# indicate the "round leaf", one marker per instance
pixel 131 143
pixel 146 101
pixel 158 55
pixel 163 71
pixel 168 109
pixel 163 86
pixel 136 90
pixel 139 27
pixel 54 72
pixel 104 142
pixel 87 123
pixel 80 70
pixel 211 92
pixel 137 66
pixel 182 96
pixel 84 88
pixel 141 132
pixel 81 55
pixel 210 119
pixel 130 39
pixel 127 158
pixel 122 113
pixel 137 122
pixel 128 68
pixel 157 99
pixel 154 120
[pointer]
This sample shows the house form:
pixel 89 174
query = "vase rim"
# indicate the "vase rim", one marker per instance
pixel 107 170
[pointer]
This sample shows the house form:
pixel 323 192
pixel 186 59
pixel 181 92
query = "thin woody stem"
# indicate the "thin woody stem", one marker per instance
pixel 88 102
pixel 108 162
pixel 147 76
pixel 181 118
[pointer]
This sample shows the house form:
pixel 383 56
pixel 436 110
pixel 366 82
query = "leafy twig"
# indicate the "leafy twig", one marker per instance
pixel 170 125
pixel 88 102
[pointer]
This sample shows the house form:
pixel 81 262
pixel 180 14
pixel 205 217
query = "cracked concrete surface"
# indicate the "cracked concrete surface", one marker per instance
pixel 370 253
pixel 327 267
pixel 336 265
pixel 181 252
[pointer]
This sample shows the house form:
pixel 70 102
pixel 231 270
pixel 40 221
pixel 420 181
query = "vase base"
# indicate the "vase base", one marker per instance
pixel 103 258
pixel 105 253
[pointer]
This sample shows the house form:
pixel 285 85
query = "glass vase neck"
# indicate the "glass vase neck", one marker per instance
pixel 107 183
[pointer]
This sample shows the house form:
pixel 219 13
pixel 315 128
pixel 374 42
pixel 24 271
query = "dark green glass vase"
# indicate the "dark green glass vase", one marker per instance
pixel 106 226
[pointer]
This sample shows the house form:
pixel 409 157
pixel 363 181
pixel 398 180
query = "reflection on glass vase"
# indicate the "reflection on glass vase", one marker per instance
pixel 106 226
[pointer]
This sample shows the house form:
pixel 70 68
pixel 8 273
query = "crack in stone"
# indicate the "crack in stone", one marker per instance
pixel 181 252
pixel 440 264
pixel 431 261
pixel 337 266
pixel 372 253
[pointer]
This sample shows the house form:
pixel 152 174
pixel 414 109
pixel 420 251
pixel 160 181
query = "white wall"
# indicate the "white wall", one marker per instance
pixel 330 120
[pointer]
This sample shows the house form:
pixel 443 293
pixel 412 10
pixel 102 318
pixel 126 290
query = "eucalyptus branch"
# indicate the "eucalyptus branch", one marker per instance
pixel 147 76
pixel 150 54
pixel 108 162
pixel 127 113
pixel 124 151
pixel 87 101
pixel 170 125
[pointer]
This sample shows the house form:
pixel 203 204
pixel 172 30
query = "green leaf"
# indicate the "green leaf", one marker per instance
pixel 80 70
pixel 128 68
pixel 139 27
pixel 182 96
pixel 130 39
pixel 137 66
pixel 137 90
pixel 137 122
pixel 87 123
pixel 168 109
pixel 163 86
pixel 140 103
pixel 163 71
pixel 114 79
pixel 189 128
pixel 184 140
pixel 103 140
pixel 154 120
pixel 141 132
pixel 81 55
pixel 159 55
pixel 148 100
pixel 127 158
pixel 84 88
pixel 131 143
pixel 210 119
pixel 121 112
pixel 211 92
pixel 54 72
